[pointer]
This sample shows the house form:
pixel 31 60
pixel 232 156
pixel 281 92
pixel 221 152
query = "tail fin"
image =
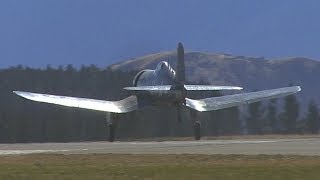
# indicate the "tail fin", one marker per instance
pixel 180 71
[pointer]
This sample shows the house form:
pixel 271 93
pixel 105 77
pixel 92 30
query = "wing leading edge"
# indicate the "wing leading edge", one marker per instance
pixel 216 103
pixel 126 105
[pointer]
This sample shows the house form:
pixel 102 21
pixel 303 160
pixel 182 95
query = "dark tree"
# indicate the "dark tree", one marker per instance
pixel 313 118
pixel 255 120
pixel 271 117
pixel 230 122
pixel 290 114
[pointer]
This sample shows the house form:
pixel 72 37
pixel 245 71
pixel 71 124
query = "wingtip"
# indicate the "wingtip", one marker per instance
pixel 19 93
pixel 298 88
pixel 237 88
pixel 295 89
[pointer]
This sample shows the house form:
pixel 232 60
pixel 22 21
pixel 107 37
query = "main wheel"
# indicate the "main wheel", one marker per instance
pixel 111 133
pixel 196 127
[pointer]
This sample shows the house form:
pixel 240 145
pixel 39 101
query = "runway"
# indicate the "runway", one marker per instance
pixel 303 146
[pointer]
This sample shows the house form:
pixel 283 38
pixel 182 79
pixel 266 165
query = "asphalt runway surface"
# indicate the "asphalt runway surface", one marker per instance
pixel 303 146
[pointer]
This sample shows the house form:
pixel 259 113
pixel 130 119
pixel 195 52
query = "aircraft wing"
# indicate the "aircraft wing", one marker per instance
pixel 126 105
pixel 188 87
pixel 222 102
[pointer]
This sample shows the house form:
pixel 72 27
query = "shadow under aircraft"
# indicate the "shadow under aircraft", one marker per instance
pixel 163 86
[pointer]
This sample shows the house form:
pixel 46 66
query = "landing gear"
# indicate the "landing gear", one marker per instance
pixel 196 125
pixel 111 122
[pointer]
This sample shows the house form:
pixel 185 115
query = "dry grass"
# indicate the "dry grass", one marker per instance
pixel 116 166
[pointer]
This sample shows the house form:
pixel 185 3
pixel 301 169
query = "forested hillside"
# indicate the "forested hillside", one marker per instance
pixel 26 121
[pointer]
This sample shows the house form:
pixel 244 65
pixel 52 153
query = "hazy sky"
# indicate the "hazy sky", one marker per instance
pixel 41 32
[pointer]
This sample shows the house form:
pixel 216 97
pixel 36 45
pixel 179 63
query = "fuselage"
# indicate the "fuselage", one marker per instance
pixel 164 74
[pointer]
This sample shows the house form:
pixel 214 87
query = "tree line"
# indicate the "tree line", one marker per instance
pixel 271 117
pixel 25 121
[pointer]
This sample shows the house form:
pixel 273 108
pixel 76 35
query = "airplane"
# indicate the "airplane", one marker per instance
pixel 163 86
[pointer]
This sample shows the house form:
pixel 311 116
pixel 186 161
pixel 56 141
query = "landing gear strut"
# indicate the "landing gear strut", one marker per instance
pixel 196 125
pixel 111 122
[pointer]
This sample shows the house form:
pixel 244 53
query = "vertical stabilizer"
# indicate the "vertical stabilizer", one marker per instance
pixel 180 64
pixel 180 70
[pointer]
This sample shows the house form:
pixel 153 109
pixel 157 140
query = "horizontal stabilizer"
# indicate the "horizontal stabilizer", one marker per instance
pixel 126 105
pixel 188 87
pixel 149 88
pixel 210 88
pixel 216 103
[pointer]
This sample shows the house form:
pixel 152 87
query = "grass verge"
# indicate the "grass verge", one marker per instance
pixel 117 166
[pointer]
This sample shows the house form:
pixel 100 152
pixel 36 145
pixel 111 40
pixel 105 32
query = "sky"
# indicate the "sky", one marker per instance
pixel 36 33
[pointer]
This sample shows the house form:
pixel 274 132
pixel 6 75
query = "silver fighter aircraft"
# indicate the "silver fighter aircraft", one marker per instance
pixel 163 86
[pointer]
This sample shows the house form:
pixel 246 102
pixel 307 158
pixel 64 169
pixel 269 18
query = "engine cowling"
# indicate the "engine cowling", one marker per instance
pixel 143 78
pixel 162 75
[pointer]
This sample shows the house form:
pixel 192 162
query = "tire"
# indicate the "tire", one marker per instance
pixel 196 127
